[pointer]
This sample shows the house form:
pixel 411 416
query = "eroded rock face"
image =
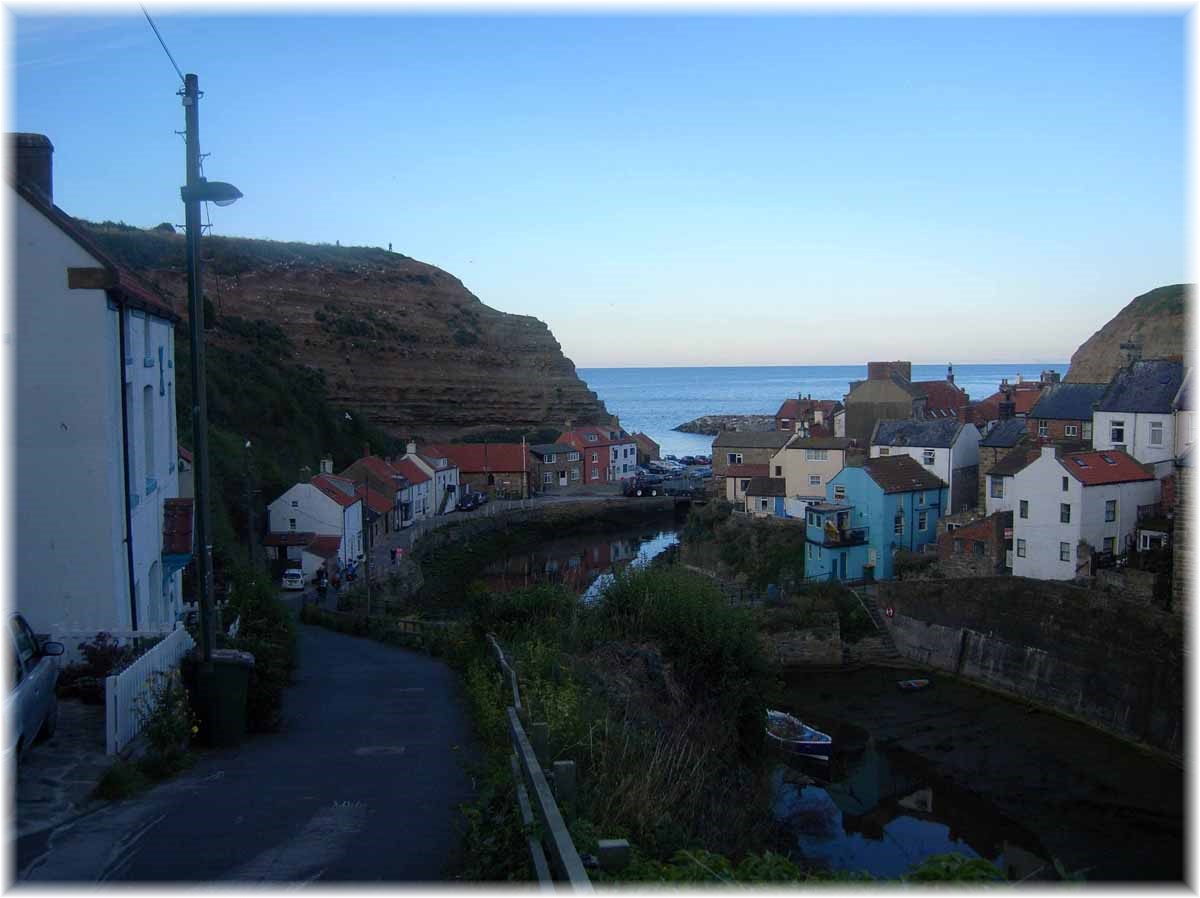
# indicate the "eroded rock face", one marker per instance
pixel 711 425
pixel 401 340
pixel 1156 320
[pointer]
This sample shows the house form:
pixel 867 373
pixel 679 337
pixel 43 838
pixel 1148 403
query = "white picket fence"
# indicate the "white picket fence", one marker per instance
pixel 128 693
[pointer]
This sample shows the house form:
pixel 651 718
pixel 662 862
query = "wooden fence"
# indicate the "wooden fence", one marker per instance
pixel 540 795
pixel 126 695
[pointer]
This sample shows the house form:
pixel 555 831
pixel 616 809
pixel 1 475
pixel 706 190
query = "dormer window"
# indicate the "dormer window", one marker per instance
pixel 591 437
pixel 1108 459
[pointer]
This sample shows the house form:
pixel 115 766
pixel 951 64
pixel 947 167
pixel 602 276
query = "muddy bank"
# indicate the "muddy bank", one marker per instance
pixel 1093 801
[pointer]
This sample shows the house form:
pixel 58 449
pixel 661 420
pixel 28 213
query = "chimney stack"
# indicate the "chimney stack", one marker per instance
pixel 327 464
pixel 410 448
pixel 35 163
pixel 305 474
pixel 950 372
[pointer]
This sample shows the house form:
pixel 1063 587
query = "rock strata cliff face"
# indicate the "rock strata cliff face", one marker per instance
pixel 400 340
pixel 1157 321
pixel 711 425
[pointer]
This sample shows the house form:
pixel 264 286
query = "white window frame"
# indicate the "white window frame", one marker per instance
pixel 1087 430
pixel 762 504
pixel 1064 512
pixel 839 492
pixel 885 450
pixel 922 520
pixel 547 478
pixel 1064 551
pixel 898 524
pixel 816 455
pixel 1115 428
pixel 1153 426
pixel 1020 548
pixel 572 456
pixel 733 458
pixel 1071 430
pixel 1023 509
pixel 1110 511
pixel 550 458
pixel 814 479
pixel 929 457
pixel 574 473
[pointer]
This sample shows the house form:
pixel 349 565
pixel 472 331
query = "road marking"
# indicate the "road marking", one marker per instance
pixel 321 841
pixel 380 750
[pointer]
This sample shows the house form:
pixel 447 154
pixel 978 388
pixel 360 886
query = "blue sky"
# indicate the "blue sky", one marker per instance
pixel 667 190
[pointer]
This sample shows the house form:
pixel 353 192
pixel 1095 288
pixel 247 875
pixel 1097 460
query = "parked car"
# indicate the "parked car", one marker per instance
pixel 293 578
pixel 703 460
pixel 32 705
pixel 643 486
pixel 702 472
pixel 688 460
pixel 471 501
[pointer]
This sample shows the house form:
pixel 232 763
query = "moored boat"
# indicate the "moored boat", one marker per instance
pixel 795 737
pixel 912 685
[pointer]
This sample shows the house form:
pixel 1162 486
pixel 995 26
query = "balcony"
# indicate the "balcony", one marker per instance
pixel 845 537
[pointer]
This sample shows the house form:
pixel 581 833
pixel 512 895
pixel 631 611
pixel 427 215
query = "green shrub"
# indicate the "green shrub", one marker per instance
pixel 167 717
pixel 267 631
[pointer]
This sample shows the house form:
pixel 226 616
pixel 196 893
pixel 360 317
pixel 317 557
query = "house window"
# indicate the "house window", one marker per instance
pixel 295 504
pixel 547 478
pixel 816 454
pixel 1024 508
pixel 814 479
pixel 898 527
pixel 1020 548
pixel 1116 432
pixel 997 487
pixel 778 471
pixel 148 426
pixel 595 457
pixel 979 547
pixel 595 473
pixel 810 552
pixel 1110 545
pixel 1110 510
pixel 928 456
pixel 1071 430
pixel 1043 429
pixel 550 458
pixel 744 486
pixel 1064 513
pixel 1066 484
pixel 762 504
pixel 291 523
pixel 574 473
pixel 922 520
pixel 591 437
pixel 884 450
pixel 921 498
pixel 957 546
pixel 1064 551
pixel 1156 433
pixel 734 458
pixel 1087 430
pixel 572 456
pixel 839 493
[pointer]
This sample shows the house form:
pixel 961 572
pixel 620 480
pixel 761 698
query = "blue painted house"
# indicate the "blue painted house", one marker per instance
pixel 871 510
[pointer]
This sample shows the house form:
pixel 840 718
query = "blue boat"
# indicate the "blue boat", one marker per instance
pixel 792 736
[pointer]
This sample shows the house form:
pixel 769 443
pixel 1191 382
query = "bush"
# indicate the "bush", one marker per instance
pixel 103 656
pixel 267 631
pixel 167 717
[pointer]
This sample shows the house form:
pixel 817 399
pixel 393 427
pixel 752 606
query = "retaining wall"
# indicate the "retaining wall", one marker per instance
pixel 1115 663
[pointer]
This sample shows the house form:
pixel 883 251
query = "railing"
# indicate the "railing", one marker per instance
pixel 539 795
pixel 1153 510
pixel 854 537
pixel 127 693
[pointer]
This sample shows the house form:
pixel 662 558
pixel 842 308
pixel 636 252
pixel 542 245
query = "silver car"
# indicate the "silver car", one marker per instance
pixel 32 706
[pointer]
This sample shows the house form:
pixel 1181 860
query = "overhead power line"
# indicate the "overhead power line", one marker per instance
pixel 164 44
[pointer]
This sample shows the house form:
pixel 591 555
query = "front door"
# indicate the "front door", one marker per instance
pixel 562 478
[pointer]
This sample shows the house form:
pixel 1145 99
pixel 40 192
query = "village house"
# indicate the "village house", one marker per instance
pixel 609 454
pixel 1001 440
pixel 1000 478
pixel 872 511
pixel 745 447
pixel 887 393
pixel 806 465
pixel 324 505
pixel 764 497
pixel 972 544
pixel 737 481
pixel 1063 413
pixel 441 496
pixel 647 449
pixel 1011 400
pixel 557 467
pixel 1183 410
pixel 385 484
pixel 1079 498
pixel 499 469
pixel 943 398
pixel 95 425
pixel 947 448
pixel 807 416
pixel 1136 413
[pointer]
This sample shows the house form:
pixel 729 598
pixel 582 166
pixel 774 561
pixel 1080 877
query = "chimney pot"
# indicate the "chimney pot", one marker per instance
pixel 410 448
pixel 35 163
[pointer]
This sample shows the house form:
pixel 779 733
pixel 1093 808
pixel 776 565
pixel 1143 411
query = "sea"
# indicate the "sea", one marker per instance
pixel 655 400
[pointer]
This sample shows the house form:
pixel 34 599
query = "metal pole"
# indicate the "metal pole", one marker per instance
pixel 249 511
pixel 367 538
pixel 191 99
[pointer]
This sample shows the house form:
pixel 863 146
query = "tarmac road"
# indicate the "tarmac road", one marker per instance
pixel 362 784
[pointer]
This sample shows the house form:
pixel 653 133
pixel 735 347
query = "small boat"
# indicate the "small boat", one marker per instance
pixel 795 737
pixel 912 685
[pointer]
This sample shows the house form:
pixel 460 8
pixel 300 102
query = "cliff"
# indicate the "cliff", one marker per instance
pixel 711 425
pixel 1156 320
pixel 401 341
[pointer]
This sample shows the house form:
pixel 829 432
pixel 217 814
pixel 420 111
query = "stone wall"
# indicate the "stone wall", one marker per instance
pixel 1087 651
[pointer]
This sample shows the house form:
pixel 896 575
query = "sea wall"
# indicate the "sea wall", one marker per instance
pixel 1092 653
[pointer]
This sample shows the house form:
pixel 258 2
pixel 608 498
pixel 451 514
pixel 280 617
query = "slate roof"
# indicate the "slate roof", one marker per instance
pixel 767 486
pixel 1148 385
pixel 1068 402
pixel 925 434
pixel 177 526
pixel 752 439
pixel 1183 399
pixel 1108 466
pixel 1015 461
pixel 901 474
pixel 821 443
pixel 747 470
pixel 1006 434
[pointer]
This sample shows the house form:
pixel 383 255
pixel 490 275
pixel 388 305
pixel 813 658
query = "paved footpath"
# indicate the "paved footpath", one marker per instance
pixel 362 784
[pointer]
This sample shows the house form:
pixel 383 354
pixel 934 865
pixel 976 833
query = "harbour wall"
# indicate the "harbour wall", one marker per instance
pixel 1095 654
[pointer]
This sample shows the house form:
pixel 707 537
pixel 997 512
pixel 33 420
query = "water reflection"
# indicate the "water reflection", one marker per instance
pixel 583 564
pixel 885 811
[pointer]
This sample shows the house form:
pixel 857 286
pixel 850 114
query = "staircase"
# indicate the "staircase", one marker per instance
pixel 867 595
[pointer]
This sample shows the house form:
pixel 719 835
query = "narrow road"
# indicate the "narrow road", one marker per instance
pixel 362 784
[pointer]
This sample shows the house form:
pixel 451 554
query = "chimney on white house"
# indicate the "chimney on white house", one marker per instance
pixel 327 464
pixel 34 154
pixel 410 448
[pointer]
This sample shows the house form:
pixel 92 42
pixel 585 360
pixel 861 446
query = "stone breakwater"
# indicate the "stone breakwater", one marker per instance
pixel 711 425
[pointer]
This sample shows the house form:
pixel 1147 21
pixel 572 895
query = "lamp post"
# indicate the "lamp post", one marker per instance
pixel 196 191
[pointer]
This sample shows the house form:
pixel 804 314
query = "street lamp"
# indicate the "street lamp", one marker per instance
pixel 198 190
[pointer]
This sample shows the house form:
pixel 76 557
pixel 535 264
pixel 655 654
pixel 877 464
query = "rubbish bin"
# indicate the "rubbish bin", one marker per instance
pixel 221 693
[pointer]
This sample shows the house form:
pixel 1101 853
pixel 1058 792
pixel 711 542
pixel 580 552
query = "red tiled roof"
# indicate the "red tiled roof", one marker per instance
pixel 482 458
pixel 748 471
pixel 339 489
pixel 579 437
pixel 789 409
pixel 128 289
pixel 177 526
pixel 988 409
pixel 798 409
pixel 1107 466
pixel 941 394
pixel 324 546
pixel 376 501
pixel 647 445
pixel 288 538
pixel 410 471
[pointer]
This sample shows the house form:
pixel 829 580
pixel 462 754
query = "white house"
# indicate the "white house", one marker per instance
pixel 443 491
pixel 326 505
pixel 946 447
pixel 1137 414
pixel 1001 480
pixel 1082 497
pixel 94 421
pixel 1184 428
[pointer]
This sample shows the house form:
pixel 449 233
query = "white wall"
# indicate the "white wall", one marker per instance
pixel 1137 437
pixel 1128 497
pixel 1040 483
pixel 993 504
pixel 352 530
pixel 1185 431
pixel 314 512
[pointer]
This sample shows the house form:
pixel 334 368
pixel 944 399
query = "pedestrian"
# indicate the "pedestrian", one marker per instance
pixel 393 556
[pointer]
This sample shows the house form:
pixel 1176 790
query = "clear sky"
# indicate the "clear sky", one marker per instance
pixel 667 189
